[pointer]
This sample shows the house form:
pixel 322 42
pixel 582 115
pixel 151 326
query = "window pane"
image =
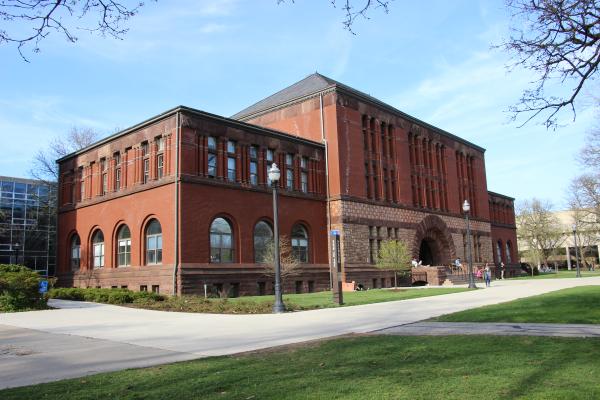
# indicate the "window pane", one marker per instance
pixel 212 143
pixel 230 146
pixel 212 164
pixel 231 168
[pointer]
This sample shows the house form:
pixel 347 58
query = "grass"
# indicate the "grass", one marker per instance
pixel 374 367
pixel 560 275
pixel 568 306
pixel 293 302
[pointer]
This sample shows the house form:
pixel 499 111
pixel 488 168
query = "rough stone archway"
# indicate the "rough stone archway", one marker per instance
pixel 433 242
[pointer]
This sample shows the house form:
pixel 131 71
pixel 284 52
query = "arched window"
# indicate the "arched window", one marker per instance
pixel 153 243
pixel 263 237
pixel 221 241
pixel 499 251
pixel 75 252
pixel 300 243
pixel 98 246
pixel 508 249
pixel 124 247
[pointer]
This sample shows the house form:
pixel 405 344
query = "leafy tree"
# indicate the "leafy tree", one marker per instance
pixel 540 231
pixel 29 22
pixel 560 41
pixel 288 262
pixel 394 255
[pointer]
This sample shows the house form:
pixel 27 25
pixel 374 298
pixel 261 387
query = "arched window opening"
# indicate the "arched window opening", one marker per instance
pixel 98 249
pixel 154 243
pixel 221 241
pixel 508 253
pixel 75 252
pixel 263 237
pixel 499 251
pixel 300 243
pixel 124 247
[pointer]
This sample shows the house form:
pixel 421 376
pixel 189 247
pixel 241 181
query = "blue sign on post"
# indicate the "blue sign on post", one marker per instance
pixel 335 232
pixel 43 287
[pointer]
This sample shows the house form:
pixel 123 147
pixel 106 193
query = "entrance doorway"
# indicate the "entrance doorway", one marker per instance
pixel 429 252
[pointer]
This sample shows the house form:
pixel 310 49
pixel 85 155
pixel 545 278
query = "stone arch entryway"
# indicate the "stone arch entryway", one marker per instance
pixel 433 244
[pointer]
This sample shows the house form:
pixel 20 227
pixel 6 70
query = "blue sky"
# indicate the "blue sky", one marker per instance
pixel 432 61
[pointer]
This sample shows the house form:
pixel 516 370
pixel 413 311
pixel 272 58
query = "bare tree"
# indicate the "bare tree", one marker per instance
pixel 589 156
pixel 65 17
pixel 289 263
pixel 539 230
pixel 355 9
pixel 585 196
pixel 588 234
pixel 44 162
pixel 560 41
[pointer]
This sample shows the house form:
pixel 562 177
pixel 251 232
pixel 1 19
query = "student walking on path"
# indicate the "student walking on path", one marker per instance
pixel 487 275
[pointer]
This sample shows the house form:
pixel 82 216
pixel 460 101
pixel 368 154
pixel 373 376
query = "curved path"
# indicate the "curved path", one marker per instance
pixel 187 336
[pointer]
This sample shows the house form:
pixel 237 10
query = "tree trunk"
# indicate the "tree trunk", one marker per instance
pixel 395 279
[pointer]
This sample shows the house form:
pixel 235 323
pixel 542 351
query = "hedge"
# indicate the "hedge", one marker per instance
pixel 110 296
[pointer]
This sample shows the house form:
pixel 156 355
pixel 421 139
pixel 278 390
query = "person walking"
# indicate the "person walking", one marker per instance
pixel 487 275
pixel 502 268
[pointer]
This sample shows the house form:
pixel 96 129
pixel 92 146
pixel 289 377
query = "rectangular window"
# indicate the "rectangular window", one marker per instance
pixel 289 179
pixel 155 289
pixel 254 165
pixel 144 149
pixel 117 179
pixel 81 185
pixel 231 169
pixel 212 143
pixel 253 172
pixel 270 157
pixel 160 167
pixel 231 146
pixel 289 159
pixel 104 183
pixel 304 181
pixel 212 165
pixel 143 288
pixel 146 170
pixel 160 143
pixel 98 255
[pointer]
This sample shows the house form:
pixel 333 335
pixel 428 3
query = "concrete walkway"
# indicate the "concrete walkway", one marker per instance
pixel 492 328
pixel 202 335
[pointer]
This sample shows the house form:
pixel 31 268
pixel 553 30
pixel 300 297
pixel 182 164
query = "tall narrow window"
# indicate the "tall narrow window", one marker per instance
pixel 508 249
pixel 499 251
pixel 212 157
pixel 253 165
pixel 81 184
pixel 98 249
pixel 300 243
pixel 144 149
pixel 104 169
pixel 263 239
pixel 221 241
pixel 75 252
pixel 146 170
pixel 160 166
pixel 117 181
pixel 124 246
pixel 154 243
pixel 231 160
pixel 304 174
pixel 289 170
pixel 270 158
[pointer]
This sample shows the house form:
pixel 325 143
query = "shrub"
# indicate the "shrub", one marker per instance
pixel 110 296
pixel 19 289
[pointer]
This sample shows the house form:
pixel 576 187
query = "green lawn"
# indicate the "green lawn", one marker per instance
pixel 374 367
pixel 293 302
pixel 568 306
pixel 561 274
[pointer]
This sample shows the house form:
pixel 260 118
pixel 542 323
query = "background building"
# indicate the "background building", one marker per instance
pixel 182 200
pixel 27 224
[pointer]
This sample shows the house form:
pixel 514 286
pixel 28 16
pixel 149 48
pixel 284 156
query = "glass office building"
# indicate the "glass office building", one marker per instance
pixel 28 224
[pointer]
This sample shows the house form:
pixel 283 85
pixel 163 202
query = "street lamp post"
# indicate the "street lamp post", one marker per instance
pixel 274 175
pixel 16 246
pixel 466 208
pixel 578 275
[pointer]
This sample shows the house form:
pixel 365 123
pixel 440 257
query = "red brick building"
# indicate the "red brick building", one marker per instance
pixel 182 200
